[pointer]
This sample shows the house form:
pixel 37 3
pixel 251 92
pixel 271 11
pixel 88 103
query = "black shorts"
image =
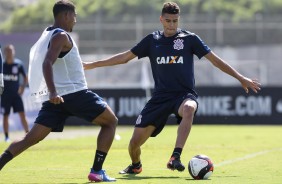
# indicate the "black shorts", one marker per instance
pixel 160 107
pixel 9 101
pixel 84 104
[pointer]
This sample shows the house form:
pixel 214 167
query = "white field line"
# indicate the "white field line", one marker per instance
pixel 246 157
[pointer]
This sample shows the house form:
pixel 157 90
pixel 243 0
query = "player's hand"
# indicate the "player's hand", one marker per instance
pixel 88 66
pixel 21 90
pixel 1 90
pixel 55 98
pixel 250 83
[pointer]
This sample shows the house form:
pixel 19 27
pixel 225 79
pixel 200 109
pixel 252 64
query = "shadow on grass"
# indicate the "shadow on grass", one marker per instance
pixel 225 176
pixel 214 177
pixel 134 177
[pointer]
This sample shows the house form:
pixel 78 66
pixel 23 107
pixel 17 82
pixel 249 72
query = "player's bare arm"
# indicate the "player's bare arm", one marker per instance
pixel 22 87
pixel 117 59
pixel 222 65
pixel 59 43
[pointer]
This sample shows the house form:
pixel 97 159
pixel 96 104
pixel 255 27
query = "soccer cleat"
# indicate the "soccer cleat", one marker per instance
pixel 7 139
pixel 175 163
pixel 132 170
pixel 98 176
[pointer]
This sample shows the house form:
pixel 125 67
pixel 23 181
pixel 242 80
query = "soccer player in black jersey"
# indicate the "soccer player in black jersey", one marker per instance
pixel 11 98
pixel 171 54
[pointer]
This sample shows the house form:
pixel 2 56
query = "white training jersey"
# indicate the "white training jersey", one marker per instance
pixel 68 71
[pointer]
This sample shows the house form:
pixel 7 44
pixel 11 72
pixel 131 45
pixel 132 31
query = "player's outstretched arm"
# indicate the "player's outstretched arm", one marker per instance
pixel 117 59
pixel 223 66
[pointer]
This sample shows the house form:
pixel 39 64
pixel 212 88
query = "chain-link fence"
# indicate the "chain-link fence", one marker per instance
pixel 253 47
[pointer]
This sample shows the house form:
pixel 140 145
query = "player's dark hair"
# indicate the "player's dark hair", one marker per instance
pixel 170 8
pixel 63 6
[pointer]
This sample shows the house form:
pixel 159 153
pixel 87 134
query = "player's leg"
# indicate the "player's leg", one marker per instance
pixel 6 127
pixel 108 122
pixel 6 105
pixel 88 105
pixel 24 121
pixel 186 110
pixel 18 107
pixel 149 123
pixel 36 134
pixel 139 137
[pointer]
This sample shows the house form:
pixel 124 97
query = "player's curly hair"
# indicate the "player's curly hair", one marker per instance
pixel 62 6
pixel 170 8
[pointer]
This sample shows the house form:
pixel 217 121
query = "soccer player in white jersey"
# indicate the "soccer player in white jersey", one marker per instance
pixel 171 54
pixel 57 81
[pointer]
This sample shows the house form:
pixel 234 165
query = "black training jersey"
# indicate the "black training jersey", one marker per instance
pixel 11 75
pixel 171 59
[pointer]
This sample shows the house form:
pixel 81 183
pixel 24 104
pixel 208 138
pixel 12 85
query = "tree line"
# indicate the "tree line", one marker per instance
pixel 39 11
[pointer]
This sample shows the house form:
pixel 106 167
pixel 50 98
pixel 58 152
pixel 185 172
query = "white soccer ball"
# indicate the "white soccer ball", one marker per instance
pixel 117 137
pixel 200 167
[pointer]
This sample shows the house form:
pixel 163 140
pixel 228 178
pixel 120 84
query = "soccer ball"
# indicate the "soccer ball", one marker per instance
pixel 200 167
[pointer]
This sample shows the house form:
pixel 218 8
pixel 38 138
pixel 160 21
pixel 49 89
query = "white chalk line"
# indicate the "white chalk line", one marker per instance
pixel 252 155
pixel 227 162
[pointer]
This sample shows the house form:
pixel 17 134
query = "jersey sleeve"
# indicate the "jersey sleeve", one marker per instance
pixel 142 48
pixel 199 48
pixel 22 70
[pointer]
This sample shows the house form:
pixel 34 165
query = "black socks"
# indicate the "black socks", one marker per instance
pixel 5 158
pixel 99 160
pixel 136 165
pixel 176 152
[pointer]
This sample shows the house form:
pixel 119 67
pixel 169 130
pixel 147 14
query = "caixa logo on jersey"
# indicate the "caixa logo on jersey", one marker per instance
pixel 170 60
pixel 10 77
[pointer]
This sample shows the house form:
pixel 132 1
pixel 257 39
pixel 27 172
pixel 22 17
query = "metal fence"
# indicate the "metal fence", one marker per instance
pixel 253 47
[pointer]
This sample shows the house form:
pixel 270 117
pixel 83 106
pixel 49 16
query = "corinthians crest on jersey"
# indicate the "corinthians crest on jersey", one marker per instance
pixel 178 44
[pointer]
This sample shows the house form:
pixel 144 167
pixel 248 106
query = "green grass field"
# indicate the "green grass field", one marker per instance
pixel 241 154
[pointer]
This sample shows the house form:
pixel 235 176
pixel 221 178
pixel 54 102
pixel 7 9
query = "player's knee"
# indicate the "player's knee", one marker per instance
pixel 188 110
pixel 111 125
pixel 109 122
pixel 113 122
